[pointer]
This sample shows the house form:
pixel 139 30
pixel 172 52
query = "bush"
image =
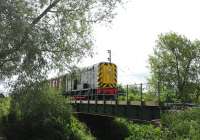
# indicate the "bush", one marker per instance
pixel 4 111
pixel 177 125
pixel 4 107
pixel 79 131
pixel 42 114
pixel 38 114
pixel 140 131
pixel 181 124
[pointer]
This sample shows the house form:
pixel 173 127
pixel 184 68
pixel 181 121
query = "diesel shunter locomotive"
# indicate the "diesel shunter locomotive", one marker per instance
pixel 95 81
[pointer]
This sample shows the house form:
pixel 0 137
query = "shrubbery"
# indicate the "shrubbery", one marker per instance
pixel 182 125
pixel 4 111
pixel 179 125
pixel 4 107
pixel 79 130
pixel 139 131
pixel 41 114
pixel 38 114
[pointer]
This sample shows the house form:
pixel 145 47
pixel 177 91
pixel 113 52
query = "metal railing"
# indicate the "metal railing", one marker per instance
pixel 129 94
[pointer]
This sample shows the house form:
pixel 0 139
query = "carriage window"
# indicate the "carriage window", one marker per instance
pixel 75 84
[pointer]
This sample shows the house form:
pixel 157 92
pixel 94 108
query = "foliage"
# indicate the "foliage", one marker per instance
pixel 4 107
pixel 175 64
pixel 120 88
pixel 140 131
pixel 39 114
pixel 134 94
pixel 131 97
pixel 79 131
pixel 4 110
pixel 175 125
pixel 181 125
pixel 38 35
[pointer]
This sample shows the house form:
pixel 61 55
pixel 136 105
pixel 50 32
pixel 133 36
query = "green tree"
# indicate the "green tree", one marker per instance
pixel 38 35
pixel 176 64
pixel 38 114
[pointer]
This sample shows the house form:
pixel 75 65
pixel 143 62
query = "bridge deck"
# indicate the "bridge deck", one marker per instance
pixel 137 103
pixel 132 110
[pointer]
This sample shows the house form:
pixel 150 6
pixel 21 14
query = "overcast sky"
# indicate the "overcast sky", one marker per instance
pixel 132 35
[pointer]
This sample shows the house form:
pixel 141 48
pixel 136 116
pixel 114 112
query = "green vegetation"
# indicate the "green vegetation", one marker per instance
pixel 175 71
pixel 181 125
pixel 139 131
pixel 134 93
pixel 175 64
pixel 4 107
pixel 37 36
pixel 40 114
pixel 79 130
pixel 4 110
pixel 45 114
pixel 177 125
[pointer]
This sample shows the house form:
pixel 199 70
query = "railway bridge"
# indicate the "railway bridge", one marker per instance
pixel 140 110
pixel 134 110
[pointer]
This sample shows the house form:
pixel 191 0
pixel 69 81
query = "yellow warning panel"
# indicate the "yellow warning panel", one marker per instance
pixel 107 74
